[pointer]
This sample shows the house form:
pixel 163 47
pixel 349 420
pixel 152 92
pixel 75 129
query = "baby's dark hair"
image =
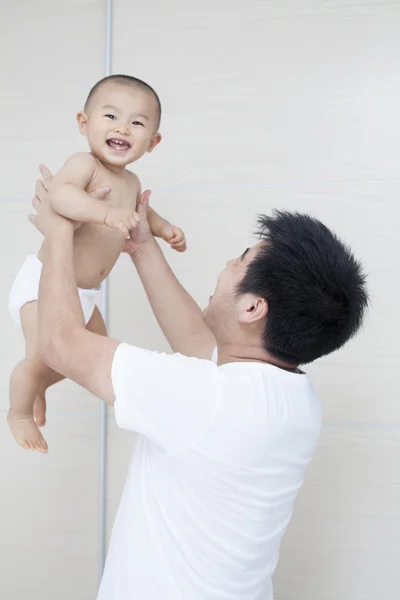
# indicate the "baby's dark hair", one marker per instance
pixel 314 286
pixel 127 80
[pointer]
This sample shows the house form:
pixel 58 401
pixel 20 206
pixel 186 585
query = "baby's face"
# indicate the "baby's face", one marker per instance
pixel 120 124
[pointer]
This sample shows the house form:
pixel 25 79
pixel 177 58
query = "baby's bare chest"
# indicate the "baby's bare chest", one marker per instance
pixel 124 188
pixel 97 247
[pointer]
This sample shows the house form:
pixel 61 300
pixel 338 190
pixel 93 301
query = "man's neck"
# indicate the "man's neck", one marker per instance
pixel 228 353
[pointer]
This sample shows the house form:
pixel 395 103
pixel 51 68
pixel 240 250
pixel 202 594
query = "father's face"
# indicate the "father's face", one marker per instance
pixel 221 306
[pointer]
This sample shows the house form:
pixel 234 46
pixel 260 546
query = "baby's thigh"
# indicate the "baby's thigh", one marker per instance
pixel 29 322
pixel 96 323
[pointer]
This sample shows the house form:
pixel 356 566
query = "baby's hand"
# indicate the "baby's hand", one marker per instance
pixel 174 236
pixel 124 219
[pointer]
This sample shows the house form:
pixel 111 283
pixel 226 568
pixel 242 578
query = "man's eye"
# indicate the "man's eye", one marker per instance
pixel 137 123
pixel 112 117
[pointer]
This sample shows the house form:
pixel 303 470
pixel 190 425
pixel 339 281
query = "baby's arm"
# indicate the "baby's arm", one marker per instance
pixel 162 228
pixel 157 222
pixel 70 199
pixel 68 194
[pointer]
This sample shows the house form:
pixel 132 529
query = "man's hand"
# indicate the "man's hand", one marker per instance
pixel 141 234
pixel 46 218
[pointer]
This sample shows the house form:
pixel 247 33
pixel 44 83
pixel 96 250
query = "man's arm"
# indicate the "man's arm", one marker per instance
pixel 68 195
pixel 64 343
pixel 178 315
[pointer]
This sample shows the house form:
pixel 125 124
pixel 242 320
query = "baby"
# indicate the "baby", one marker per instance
pixel 120 119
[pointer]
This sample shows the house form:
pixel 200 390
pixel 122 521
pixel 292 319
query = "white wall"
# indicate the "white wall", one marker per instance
pixel 266 104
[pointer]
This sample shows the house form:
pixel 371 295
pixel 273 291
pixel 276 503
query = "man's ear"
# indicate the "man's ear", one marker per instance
pixel 252 309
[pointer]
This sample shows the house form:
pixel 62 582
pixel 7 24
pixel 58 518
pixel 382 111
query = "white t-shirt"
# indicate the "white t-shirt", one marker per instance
pixel 219 460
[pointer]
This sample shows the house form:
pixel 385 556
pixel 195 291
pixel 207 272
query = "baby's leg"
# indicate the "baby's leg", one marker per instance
pixel 39 406
pixel 26 381
pixel 96 325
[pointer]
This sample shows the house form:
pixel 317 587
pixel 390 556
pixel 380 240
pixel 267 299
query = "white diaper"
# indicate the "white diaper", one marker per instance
pixel 26 289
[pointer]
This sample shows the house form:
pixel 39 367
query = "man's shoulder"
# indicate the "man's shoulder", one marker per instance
pixel 132 352
pixel 158 367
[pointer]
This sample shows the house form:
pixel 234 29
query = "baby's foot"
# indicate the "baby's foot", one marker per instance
pixel 26 432
pixel 39 410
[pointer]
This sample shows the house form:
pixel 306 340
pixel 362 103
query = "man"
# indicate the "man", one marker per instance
pixel 223 444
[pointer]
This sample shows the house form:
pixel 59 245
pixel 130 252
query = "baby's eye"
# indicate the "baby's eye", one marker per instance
pixel 137 123
pixel 112 117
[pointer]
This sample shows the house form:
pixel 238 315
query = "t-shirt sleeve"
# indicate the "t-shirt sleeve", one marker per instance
pixel 169 398
pixel 214 357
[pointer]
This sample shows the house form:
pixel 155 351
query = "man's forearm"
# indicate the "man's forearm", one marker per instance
pixel 59 309
pixel 178 315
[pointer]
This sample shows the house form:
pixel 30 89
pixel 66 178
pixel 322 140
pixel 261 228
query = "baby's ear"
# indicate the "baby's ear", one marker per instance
pixel 81 117
pixel 155 140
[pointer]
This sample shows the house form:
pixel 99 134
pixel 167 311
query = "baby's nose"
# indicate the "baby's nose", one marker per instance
pixel 122 128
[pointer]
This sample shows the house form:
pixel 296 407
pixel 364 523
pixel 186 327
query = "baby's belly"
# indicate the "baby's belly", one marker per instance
pixel 96 250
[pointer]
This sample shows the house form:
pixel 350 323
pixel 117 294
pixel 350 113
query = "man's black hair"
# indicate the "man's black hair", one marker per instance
pixel 127 80
pixel 314 286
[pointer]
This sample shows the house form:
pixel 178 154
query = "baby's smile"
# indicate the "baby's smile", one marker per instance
pixel 118 144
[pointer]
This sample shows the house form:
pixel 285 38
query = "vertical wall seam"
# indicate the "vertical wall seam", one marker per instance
pixel 102 526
